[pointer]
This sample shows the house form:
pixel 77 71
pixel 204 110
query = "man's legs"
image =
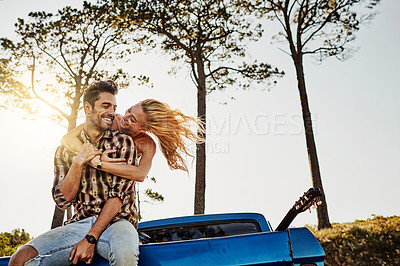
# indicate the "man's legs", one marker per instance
pixel 119 244
pixel 22 255
pixel 54 246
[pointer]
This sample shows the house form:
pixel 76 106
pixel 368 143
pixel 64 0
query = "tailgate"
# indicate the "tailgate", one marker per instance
pixel 306 248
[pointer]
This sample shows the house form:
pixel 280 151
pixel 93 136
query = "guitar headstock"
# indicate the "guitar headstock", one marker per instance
pixel 307 200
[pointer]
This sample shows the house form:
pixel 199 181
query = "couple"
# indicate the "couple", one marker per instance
pixel 95 170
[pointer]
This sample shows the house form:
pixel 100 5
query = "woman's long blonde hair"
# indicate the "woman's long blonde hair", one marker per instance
pixel 171 127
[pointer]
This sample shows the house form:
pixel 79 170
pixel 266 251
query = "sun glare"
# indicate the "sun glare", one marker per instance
pixel 49 99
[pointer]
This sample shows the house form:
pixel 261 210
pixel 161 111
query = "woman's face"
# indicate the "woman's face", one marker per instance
pixel 133 122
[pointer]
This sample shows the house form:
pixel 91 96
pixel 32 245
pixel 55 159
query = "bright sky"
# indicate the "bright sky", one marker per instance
pixel 256 158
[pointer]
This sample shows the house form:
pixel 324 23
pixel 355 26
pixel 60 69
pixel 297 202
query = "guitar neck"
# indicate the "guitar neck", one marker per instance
pixel 287 220
pixel 301 205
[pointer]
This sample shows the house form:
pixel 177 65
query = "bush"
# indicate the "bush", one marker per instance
pixel 9 242
pixel 375 241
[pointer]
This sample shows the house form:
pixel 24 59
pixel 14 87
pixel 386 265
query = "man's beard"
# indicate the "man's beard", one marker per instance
pixel 98 122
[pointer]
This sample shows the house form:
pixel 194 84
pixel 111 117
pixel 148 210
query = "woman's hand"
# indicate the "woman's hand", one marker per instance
pixel 87 153
pixel 104 158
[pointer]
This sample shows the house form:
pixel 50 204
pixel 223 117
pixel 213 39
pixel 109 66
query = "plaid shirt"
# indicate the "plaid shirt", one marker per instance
pixel 96 186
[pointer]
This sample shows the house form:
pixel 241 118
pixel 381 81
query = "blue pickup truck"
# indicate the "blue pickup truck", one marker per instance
pixel 225 239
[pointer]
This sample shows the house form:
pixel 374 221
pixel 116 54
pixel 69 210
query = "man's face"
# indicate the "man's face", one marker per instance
pixel 103 112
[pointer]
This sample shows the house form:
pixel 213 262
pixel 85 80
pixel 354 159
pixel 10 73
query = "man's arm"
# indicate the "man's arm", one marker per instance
pixel 84 251
pixel 67 181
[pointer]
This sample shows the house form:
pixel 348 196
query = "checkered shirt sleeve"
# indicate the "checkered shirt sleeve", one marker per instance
pixel 62 163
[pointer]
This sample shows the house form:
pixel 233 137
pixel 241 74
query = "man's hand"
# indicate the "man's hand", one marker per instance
pixel 87 153
pixel 83 251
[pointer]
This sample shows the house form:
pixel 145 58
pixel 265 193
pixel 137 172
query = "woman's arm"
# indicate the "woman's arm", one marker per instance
pixel 144 143
pixel 116 166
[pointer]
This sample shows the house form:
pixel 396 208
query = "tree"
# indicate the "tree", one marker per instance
pixel 73 48
pixel 322 28
pixel 210 37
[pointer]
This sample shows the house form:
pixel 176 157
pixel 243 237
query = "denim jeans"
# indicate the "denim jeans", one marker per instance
pixel 119 243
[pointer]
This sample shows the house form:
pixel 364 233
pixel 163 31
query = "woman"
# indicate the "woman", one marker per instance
pixel 169 126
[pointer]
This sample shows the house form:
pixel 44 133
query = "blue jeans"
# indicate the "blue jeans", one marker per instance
pixel 119 243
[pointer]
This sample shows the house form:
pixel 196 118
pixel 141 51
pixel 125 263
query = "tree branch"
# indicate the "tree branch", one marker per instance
pixel 71 72
pixel 327 19
pixel 40 98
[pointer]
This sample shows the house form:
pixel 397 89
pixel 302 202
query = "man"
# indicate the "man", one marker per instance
pixel 105 213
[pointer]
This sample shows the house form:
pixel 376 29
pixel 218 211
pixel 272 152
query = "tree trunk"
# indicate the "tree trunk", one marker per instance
pixel 200 187
pixel 322 210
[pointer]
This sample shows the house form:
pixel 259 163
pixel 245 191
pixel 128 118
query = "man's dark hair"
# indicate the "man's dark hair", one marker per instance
pixel 91 94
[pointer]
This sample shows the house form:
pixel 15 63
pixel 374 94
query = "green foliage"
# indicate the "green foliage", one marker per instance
pixel 9 242
pixel 375 241
pixel 154 195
